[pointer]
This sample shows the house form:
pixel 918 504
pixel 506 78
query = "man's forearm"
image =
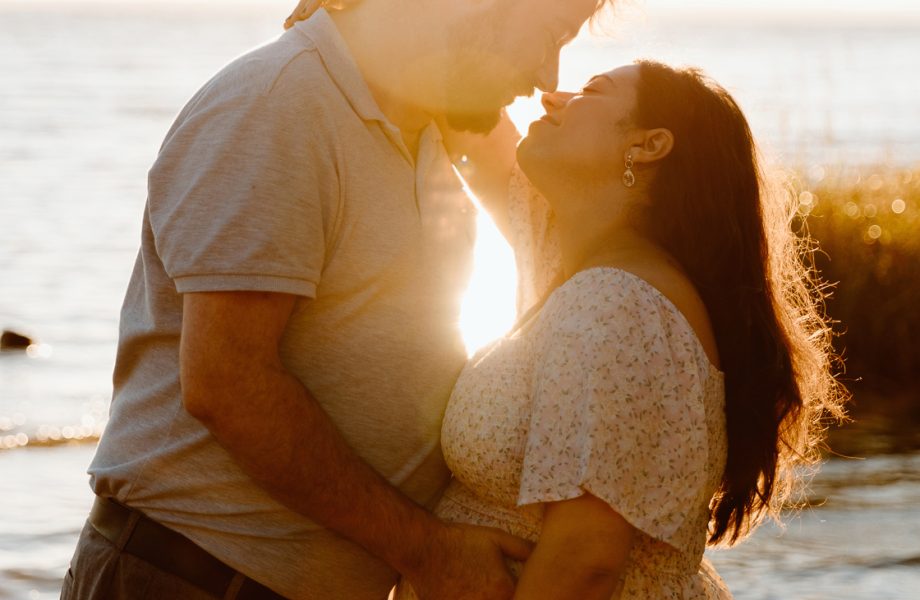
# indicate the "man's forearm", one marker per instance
pixel 233 381
pixel 284 440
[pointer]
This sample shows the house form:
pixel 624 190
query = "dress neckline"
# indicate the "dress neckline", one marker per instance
pixel 535 313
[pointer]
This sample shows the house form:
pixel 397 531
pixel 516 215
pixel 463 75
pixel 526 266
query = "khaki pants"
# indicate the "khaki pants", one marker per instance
pixel 99 570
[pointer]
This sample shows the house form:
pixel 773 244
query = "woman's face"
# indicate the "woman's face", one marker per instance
pixel 584 134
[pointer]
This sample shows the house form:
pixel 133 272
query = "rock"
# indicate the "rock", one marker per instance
pixel 10 340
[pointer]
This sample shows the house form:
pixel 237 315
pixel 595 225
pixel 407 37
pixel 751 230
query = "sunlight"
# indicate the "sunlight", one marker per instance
pixel 489 304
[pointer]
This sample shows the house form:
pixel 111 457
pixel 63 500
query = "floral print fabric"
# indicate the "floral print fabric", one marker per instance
pixel 606 390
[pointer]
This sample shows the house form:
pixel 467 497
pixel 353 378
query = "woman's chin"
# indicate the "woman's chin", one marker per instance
pixel 524 148
pixel 529 157
pixel 538 125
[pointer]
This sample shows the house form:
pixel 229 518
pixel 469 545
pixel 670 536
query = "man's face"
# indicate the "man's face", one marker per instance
pixel 504 52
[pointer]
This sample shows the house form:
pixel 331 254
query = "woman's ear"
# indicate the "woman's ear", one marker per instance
pixel 655 145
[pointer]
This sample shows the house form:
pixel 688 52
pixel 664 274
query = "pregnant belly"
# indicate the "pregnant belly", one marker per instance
pixel 459 504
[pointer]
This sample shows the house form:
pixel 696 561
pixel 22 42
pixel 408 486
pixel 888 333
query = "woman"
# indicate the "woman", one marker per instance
pixel 661 395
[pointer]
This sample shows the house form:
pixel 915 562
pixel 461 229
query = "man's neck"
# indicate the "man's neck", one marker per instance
pixel 389 57
pixel 410 120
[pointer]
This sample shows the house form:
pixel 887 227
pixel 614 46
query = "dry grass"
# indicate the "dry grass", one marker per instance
pixel 867 225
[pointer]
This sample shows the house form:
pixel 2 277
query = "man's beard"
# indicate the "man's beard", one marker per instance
pixel 475 122
pixel 479 82
pixel 476 95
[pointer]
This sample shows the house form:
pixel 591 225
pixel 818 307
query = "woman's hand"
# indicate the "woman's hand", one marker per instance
pixel 582 552
pixel 485 162
pixel 304 9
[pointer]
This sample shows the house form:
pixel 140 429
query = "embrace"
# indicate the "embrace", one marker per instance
pixel 294 413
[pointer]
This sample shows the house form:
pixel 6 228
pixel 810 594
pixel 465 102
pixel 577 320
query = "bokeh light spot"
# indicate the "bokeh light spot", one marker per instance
pixel 875 232
pixel 898 206
pixel 817 173
pixel 39 351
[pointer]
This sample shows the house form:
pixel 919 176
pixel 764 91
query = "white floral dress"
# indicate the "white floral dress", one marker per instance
pixel 605 390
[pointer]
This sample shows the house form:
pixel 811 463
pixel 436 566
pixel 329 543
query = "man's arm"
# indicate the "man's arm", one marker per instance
pixel 233 381
pixel 582 551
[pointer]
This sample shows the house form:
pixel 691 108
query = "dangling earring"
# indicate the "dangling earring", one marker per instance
pixel 629 178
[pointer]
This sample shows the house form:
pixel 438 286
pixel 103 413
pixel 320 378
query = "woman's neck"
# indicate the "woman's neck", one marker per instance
pixel 588 245
pixel 597 227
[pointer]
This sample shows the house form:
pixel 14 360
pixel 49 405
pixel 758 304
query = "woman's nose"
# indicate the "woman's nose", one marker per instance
pixel 555 100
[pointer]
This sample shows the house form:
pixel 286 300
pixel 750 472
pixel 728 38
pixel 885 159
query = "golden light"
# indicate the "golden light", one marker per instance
pixel 489 303
pixel 898 206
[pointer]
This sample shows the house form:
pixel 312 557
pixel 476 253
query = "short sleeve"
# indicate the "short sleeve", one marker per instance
pixel 618 411
pixel 534 240
pixel 242 195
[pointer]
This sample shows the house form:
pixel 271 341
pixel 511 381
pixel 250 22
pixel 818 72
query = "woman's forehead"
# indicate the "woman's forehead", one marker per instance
pixel 621 75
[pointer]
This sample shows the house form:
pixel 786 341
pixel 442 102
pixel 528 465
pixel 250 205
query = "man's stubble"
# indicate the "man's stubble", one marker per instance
pixel 482 78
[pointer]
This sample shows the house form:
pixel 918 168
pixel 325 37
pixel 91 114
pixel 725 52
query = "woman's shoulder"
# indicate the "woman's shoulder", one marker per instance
pixel 632 301
pixel 611 291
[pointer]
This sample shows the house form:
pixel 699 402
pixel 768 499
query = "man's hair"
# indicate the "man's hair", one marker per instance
pixel 306 8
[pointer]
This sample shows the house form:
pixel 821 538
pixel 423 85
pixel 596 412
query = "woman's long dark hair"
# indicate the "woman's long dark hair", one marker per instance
pixel 710 208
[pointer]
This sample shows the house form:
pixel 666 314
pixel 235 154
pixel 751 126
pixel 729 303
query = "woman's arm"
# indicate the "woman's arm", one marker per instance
pixel 582 551
pixel 489 162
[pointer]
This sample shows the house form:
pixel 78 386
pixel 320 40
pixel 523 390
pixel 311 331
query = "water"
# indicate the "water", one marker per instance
pixel 860 539
pixel 863 542
pixel 86 95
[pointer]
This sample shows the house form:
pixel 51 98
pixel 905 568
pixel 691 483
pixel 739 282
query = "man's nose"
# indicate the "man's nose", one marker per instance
pixel 548 75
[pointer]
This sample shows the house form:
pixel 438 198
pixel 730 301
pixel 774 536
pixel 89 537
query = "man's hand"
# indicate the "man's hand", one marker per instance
pixel 468 562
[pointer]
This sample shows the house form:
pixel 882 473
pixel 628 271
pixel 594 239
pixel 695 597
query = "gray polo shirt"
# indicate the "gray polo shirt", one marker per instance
pixel 282 175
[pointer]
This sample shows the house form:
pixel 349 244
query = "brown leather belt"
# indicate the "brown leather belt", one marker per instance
pixel 135 534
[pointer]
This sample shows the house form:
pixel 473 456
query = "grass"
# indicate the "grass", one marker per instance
pixel 867 225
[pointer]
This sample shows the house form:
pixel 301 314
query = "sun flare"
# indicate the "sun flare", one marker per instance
pixel 488 307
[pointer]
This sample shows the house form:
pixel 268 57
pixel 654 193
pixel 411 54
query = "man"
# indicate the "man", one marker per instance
pixel 289 336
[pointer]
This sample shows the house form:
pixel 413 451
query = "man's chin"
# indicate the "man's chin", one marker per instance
pixel 479 122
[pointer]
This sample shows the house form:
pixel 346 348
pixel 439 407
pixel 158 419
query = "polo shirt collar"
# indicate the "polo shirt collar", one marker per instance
pixel 340 64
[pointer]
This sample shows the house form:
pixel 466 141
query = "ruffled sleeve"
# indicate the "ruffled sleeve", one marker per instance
pixel 535 243
pixel 618 406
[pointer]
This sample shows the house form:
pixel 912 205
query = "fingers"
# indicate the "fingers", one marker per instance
pixel 514 547
pixel 304 9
